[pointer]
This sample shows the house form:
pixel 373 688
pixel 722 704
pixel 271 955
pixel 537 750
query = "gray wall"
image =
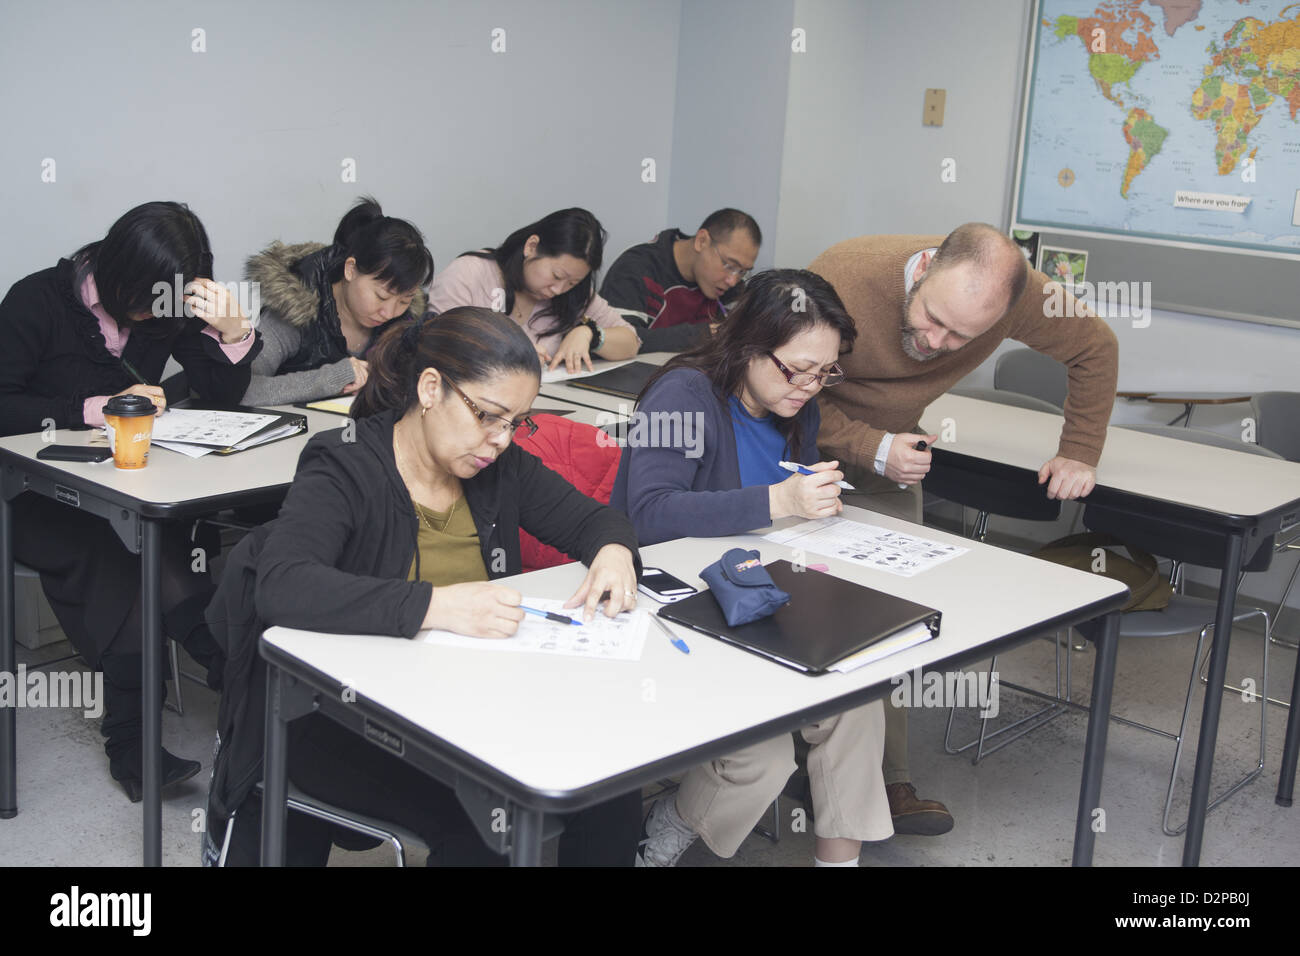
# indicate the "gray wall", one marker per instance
pixel 857 159
pixel 733 69
pixel 467 143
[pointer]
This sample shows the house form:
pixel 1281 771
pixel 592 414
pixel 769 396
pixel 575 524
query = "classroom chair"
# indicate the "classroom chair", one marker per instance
pixel 1032 373
pixel 400 838
pixel 993 494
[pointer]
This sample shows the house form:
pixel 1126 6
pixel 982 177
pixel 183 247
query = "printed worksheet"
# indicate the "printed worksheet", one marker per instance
pixel 199 427
pixel 613 639
pixel 867 544
pixel 561 374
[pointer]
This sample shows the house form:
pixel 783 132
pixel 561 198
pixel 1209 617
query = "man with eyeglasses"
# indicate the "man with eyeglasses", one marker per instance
pixel 929 310
pixel 678 286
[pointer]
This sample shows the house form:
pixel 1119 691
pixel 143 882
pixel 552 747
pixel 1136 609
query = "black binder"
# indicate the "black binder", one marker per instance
pixel 626 381
pixel 827 620
pixel 290 423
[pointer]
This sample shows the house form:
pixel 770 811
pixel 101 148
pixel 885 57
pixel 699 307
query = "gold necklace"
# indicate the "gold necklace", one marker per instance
pixel 419 513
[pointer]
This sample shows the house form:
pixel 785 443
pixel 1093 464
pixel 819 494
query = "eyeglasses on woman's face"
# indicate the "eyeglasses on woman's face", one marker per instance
pixel 832 376
pixel 494 425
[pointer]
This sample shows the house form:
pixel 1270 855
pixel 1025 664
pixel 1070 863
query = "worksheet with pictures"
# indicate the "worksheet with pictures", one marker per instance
pixel 867 544
pixel 620 638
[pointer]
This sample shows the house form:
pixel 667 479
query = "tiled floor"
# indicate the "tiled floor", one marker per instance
pixel 1015 807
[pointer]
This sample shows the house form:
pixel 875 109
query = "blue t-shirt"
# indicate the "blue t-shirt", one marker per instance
pixel 759 447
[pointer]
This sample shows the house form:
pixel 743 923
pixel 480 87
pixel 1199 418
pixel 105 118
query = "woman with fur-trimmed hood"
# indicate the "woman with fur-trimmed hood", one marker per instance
pixel 322 306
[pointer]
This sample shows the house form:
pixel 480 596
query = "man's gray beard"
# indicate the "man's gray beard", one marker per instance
pixel 908 335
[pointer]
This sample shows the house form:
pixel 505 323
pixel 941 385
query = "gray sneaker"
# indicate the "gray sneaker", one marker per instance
pixel 665 837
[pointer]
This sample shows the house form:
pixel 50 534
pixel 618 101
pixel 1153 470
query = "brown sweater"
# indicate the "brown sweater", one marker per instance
pixel 886 391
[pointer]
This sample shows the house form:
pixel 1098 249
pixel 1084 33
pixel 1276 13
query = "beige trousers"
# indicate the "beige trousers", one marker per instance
pixel 875 493
pixel 723 799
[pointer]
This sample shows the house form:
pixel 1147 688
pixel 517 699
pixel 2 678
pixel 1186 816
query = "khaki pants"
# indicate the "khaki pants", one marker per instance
pixel 875 493
pixel 722 800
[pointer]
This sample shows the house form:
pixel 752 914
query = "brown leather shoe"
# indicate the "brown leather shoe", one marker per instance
pixel 914 815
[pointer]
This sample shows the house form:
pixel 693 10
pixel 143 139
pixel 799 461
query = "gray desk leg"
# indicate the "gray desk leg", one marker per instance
pixel 8 715
pixel 151 675
pixel 1286 779
pixel 1106 639
pixel 526 841
pixel 1213 699
pixel 275 771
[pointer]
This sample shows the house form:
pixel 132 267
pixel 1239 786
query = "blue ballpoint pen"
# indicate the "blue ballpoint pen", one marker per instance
pixel 801 470
pixel 677 641
pixel 551 616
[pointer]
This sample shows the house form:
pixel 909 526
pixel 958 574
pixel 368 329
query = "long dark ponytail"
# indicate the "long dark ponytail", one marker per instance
pixel 392 250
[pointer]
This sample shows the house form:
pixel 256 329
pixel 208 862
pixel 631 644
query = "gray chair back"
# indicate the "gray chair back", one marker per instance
pixel 1009 398
pixel 1277 422
pixel 1031 373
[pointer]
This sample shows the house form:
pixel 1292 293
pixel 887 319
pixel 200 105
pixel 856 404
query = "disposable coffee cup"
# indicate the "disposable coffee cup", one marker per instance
pixel 129 423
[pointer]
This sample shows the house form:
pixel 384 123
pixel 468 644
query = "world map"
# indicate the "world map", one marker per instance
pixel 1174 120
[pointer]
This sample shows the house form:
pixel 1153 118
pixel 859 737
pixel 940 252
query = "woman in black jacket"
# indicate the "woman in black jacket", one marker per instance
pixel 104 323
pixel 398 523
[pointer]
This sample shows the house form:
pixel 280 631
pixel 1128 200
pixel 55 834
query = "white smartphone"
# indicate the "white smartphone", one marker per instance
pixel 663 587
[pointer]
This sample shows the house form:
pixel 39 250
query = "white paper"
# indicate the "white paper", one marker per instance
pixel 561 374
pixel 620 638
pixel 196 426
pixel 867 545
pixel 191 451
pixel 917 634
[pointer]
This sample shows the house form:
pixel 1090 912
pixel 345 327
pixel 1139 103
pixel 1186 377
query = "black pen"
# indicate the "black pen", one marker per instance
pixel 919 446
pixel 139 378
pixel 551 616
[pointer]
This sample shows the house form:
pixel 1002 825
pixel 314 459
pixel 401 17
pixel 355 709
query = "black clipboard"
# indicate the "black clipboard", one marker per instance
pixel 294 424
pixel 626 381
pixel 827 620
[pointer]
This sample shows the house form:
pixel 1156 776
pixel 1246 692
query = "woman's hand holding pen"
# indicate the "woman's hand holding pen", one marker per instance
pixel 152 392
pixel 808 496
pixel 476 609
pixel 213 303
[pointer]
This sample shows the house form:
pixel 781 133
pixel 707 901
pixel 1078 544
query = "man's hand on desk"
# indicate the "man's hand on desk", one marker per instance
pixel 1070 479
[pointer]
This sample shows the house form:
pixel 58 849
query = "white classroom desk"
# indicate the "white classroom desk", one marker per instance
pixel 1245 498
pixel 600 400
pixel 171 486
pixel 550 734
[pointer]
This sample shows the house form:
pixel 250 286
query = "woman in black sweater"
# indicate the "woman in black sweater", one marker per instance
pixel 91 327
pixel 398 523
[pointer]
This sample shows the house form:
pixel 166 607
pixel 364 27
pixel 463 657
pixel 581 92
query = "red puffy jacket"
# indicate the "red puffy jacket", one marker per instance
pixel 578 453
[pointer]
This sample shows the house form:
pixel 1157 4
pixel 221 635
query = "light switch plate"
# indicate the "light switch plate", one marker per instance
pixel 932 112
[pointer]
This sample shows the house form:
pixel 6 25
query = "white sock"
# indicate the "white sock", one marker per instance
pixel 818 861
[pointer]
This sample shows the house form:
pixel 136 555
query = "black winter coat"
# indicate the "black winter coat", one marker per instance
pixel 337 557
pixel 54 356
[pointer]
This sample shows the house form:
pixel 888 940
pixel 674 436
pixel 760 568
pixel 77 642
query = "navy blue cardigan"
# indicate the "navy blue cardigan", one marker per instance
pixel 669 495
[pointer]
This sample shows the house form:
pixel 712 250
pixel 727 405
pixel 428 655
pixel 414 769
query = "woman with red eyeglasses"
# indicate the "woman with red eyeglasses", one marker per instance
pixel 750 393
pixel 753 389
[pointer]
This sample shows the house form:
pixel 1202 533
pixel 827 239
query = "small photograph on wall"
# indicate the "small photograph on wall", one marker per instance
pixel 1028 243
pixel 1066 266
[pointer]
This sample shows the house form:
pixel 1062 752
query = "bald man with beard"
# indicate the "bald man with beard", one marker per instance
pixel 929 310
